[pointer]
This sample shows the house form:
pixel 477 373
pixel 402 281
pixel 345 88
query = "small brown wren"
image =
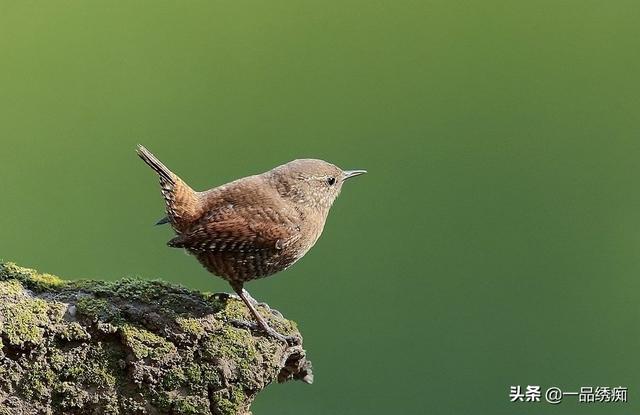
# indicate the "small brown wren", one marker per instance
pixel 251 227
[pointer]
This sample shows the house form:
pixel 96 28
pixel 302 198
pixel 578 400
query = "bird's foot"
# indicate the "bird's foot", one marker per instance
pixel 289 340
pixel 244 324
pixel 250 298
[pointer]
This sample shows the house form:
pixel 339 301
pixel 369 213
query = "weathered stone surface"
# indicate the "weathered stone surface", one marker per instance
pixel 133 347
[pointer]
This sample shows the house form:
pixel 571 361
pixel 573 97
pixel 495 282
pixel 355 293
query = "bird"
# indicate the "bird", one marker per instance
pixel 252 227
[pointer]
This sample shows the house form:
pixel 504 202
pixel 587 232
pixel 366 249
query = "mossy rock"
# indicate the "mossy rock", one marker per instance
pixel 133 347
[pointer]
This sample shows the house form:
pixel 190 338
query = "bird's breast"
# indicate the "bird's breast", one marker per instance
pixel 311 231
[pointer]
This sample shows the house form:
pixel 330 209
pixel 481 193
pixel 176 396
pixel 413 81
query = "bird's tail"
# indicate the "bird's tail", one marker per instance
pixel 182 202
pixel 166 176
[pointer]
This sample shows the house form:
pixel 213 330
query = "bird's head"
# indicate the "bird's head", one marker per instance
pixel 310 182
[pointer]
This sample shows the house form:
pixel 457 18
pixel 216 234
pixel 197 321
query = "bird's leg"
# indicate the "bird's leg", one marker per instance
pixel 244 295
pixel 253 300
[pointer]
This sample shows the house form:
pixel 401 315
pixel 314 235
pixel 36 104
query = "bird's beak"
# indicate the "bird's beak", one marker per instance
pixel 347 174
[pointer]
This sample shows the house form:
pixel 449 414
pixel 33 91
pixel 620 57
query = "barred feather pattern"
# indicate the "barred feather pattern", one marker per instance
pixel 251 227
pixel 182 202
pixel 241 244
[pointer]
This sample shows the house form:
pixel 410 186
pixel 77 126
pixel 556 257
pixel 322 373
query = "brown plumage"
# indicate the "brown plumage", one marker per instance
pixel 255 226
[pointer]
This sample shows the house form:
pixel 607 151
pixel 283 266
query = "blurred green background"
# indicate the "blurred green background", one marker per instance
pixel 494 242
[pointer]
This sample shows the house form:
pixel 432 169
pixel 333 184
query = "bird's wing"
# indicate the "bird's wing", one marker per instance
pixel 236 233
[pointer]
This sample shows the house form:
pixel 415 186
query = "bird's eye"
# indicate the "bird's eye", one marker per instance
pixel 331 181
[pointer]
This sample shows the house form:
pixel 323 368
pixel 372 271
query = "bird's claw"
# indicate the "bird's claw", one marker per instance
pixel 244 324
pixel 289 340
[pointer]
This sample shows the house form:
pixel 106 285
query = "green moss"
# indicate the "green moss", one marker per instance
pixel 30 278
pixel 90 367
pixel 37 381
pixel 174 378
pixel 11 288
pixel 138 346
pixel 210 375
pixel 236 310
pixel 134 289
pixel 190 405
pixel 145 344
pixel 191 326
pixel 45 282
pixel 193 373
pixel 96 309
pixel 57 359
pixel 98 374
pixel 68 397
pixel 233 404
pixel 156 292
pixel 232 344
pixel 218 346
pixel 73 332
pixel 137 289
pixel 170 300
pixel 90 286
pixel 25 318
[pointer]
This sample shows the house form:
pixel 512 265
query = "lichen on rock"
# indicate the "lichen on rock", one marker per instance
pixel 133 347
